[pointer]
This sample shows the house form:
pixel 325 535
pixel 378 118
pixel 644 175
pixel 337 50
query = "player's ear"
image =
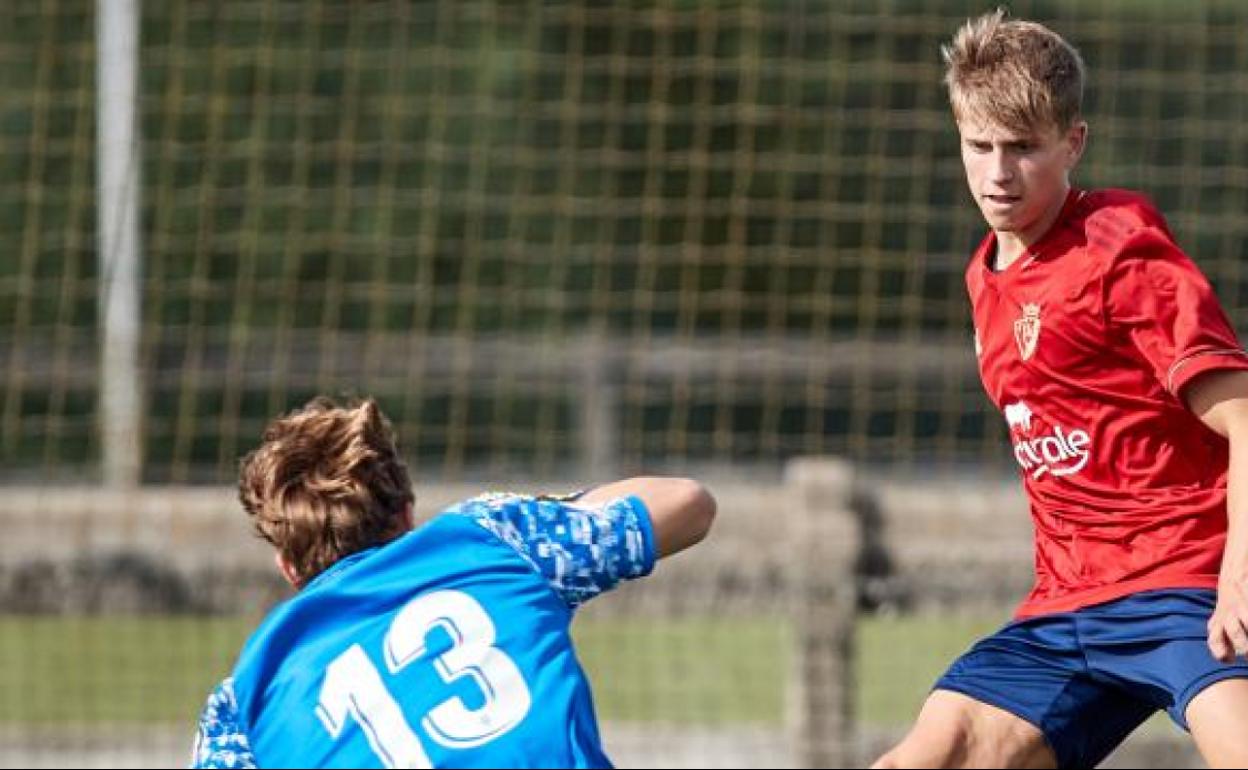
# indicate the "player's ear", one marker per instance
pixel 288 572
pixel 1076 141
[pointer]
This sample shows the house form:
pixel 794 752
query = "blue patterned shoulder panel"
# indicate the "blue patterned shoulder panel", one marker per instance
pixel 582 551
pixel 221 742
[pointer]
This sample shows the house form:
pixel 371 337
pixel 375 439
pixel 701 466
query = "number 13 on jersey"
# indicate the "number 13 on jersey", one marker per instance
pixel 354 687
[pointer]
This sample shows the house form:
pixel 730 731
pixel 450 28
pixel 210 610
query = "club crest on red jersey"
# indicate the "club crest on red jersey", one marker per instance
pixel 1027 330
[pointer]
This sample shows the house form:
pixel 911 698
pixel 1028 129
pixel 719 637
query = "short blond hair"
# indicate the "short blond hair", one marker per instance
pixel 325 482
pixel 1017 74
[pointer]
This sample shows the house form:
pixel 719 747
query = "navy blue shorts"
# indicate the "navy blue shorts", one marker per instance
pixel 1088 678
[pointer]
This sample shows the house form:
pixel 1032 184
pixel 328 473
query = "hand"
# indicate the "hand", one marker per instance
pixel 1228 626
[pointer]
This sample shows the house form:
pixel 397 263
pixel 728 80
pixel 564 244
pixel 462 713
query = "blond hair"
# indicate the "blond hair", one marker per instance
pixel 1018 74
pixel 325 482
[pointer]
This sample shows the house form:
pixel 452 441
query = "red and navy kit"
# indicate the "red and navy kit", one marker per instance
pixel 1086 343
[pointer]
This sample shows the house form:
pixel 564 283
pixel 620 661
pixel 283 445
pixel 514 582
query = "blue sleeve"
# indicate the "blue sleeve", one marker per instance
pixel 221 742
pixel 582 551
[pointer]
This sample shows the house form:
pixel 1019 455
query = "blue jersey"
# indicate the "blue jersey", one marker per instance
pixel 449 646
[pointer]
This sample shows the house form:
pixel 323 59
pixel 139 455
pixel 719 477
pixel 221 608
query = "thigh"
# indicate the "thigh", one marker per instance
pixel 1218 719
pixel 955 730
pixel 1036 671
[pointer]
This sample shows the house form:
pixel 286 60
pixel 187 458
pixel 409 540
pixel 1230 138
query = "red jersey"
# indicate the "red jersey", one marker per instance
pixel 1085 343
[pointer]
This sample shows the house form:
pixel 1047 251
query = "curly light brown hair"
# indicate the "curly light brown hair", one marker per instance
pixel 326 481
pixel 1018 74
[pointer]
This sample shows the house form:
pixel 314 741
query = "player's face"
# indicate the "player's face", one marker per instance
pixel 1019 179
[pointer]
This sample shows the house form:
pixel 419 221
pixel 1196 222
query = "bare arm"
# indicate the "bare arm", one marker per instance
pixel 1220 399
pixel 681 510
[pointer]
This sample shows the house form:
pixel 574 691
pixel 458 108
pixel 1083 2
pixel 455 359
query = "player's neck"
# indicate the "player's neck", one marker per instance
pixel 1009 249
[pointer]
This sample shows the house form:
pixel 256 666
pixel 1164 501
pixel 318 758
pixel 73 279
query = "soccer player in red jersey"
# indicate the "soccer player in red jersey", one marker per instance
pixel 1125 391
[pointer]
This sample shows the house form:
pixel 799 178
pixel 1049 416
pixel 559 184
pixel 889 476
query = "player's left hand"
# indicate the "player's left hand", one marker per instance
pixel 1228 626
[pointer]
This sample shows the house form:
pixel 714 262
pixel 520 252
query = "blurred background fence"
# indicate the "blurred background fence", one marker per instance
pixel 559 242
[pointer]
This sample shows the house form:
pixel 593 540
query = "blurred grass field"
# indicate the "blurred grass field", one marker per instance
pixel 158 670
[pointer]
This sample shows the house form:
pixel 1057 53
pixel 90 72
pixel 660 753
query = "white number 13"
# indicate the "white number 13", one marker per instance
pixel 353 686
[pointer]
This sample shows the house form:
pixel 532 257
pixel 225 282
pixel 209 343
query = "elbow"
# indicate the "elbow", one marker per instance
pixel 700 507
pixel 681 510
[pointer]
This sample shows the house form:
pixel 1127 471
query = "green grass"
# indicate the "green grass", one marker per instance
pixel 127 669
pixel 706 670
pixel 899 659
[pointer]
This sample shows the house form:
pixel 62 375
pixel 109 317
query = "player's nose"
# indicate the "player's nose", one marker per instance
pixel 1000 168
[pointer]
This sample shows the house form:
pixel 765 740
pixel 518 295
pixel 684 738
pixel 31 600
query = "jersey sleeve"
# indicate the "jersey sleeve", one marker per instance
pixel 581 550
pixel 221 741
pixel 1168 311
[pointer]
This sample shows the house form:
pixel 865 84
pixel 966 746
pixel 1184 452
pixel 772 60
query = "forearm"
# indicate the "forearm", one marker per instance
pixel 1228 626
pixel 1220 400
pixel 1234 570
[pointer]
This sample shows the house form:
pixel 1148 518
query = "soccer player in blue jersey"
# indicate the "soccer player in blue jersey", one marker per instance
pixel 444 645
